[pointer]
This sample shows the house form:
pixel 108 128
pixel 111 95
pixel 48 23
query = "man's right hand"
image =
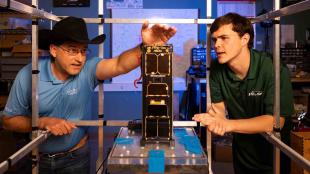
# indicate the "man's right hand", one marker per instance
pixel 158 34
pixel 56 126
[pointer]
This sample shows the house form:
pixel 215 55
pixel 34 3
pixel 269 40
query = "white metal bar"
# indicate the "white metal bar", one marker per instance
pixel 23 8
pixel 99 162
pixel 162 21
pixel 292 9
pixel 184 123
pixel 125 123
pixel 289 10
pixel 35 75
pixel 100 7
pixel 209 8
pixel 35 96
pixel 140 21
pixel 205 21
pixel 101 46
pixel 296 157
pixel 4 166
pixel 100 123
pixel 43 135
pixel 88 122
pixel 276 106
pixel 208 98
pixel 117 123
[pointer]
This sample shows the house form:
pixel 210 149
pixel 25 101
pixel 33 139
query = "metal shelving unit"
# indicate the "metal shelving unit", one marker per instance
pixel 39 136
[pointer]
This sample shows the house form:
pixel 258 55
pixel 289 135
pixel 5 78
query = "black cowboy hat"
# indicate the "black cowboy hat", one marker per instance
pixel 68 29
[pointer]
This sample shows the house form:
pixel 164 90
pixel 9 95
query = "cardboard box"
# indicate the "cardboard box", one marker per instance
pixel 222 148
pixel 300 142
pixel 3 99
pixel 8 41
pixel 22 50
pixel 222 153
pixel 4 24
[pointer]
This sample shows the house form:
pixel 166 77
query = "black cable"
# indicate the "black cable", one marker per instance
pixel 108 152
pixel 102 164
pixel 106 171
pixel 187 107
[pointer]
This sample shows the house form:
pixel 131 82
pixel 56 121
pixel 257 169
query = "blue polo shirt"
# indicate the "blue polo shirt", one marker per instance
pixel 62 99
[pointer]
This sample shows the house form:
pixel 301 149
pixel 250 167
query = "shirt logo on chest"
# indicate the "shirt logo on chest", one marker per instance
pixel 71 91
pixel 255 93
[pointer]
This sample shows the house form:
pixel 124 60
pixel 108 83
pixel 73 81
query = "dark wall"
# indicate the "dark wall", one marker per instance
pixel 300 20
pixel 261 33
pixel 302 23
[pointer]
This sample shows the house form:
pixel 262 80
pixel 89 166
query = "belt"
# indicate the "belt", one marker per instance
pixel 80 144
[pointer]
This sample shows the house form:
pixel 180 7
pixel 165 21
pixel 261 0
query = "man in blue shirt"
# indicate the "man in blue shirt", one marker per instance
pixel 66 82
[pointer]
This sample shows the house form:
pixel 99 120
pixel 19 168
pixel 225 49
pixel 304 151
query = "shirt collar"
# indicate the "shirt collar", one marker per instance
pixel 252 69
pixel 231 74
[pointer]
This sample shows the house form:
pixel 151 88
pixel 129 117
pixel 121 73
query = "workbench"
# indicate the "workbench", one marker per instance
pixel 133 158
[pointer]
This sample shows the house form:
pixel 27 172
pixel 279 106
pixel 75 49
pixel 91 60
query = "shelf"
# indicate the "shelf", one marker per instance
pixel 15 32
pixel 300 80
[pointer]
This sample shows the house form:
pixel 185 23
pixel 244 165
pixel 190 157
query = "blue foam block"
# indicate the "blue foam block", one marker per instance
pixel 124 141
pixel 156 161
pixel 180 132
pixel 191 144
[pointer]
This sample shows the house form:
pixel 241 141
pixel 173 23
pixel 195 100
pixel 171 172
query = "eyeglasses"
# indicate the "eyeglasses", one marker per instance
pixel 75 51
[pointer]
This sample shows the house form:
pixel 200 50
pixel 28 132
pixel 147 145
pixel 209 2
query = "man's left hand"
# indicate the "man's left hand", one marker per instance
pixel 217 125
pixel 158 34
pixel 215 120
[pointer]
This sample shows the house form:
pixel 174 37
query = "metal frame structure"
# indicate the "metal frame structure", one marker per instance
pixel 276 99
pixel 4 166
pixel 152 21
pixel 34 79
pixel 39 136
pixel 208 98
pixel 100 159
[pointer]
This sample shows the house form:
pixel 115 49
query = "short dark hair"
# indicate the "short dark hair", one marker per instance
pixel 241 25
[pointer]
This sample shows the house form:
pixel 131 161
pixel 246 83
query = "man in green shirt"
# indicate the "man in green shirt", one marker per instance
pixel 242 82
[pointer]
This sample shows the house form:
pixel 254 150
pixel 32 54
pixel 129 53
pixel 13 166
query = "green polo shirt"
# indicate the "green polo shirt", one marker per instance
pixel 250 97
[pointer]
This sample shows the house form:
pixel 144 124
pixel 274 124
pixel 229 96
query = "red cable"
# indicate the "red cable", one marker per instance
pixel 137 80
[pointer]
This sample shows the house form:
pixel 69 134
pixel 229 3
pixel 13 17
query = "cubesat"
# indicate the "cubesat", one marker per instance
pixel 157 94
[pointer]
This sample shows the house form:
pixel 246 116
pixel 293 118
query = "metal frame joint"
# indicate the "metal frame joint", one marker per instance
pixel 100 115
pixel 275 129
pixel 35 71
